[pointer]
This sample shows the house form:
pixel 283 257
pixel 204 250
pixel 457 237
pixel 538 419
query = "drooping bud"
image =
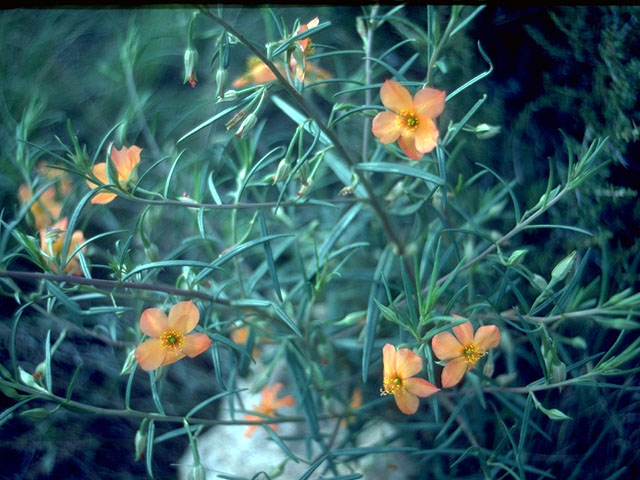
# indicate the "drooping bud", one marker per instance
pixel 221 82
pixel 197 472
pixel 237 118
pixel 282 171
pixel 228 96
pixel 516 257
pixel 190 60
pixel 561 269
pixel 246 125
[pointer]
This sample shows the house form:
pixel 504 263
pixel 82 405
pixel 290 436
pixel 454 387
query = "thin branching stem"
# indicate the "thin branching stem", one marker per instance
pixel 388 226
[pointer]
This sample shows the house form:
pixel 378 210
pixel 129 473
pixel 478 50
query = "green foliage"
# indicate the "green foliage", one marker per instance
pixel 306 244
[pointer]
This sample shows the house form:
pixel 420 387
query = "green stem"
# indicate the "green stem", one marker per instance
pixel 443 40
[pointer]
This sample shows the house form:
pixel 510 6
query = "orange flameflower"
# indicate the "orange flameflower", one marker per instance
pixel 410 121
pixel 268 406
pixel 463 349
pixel 52 241
pixel 400 366
pixel 258 73
pixel 170 342
pixel 125 162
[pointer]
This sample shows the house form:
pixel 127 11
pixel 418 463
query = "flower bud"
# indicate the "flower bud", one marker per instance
pixel 221 82
pixel 561 269
pixel 304 188
pixel 190 60
pixel 228 96
pixel 282 171
pixel 140 443
pixel 236 119
pixel 516 258
pixel 247 124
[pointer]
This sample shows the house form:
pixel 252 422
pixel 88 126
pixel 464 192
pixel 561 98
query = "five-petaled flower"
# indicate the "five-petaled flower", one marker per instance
pixel 409 121
pixel 45 210
pixel 268 406
pixel 52 241
pixel 125 162
pixel 463 349
pixel 400 366
pixel 169 340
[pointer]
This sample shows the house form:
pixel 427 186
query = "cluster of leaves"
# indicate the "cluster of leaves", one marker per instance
pixel 305 245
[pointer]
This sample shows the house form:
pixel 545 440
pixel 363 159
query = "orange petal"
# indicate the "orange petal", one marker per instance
pixel 195 344
pixel 407 143
pixel 420 387
pixel 426 135
pixel 389 360
pixel 172 355
pixel 286 401
pixel 184 316
pixel 125 160
pixel 407 402
pixel 407 363
pixel 453 372
pixel 487 337
pixel 100 171
pixel 464 332
pixel 395 97
pixel 150 354
pixel 153 322
pixel 429 102
pixel 446 346
pixel 386 127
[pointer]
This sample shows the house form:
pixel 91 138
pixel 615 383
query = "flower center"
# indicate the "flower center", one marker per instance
pixel 172 339
pixel 410 119
pixel 391 385
pixel 472 353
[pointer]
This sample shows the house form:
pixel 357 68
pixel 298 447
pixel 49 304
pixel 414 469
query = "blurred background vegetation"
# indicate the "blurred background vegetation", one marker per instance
pixel 556 70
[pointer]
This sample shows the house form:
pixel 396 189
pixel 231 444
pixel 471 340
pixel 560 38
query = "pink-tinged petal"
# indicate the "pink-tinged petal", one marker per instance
pixel 389 360
pixel 153 322
pixel 464 332
pixel 429 102
pixel 172 355
pixel 195 344
pixel 407 402
pixel 445 346
pixel 420 387
pixel 313 23
pixel 395 97
pixel 407 143
pixel 487 337
pixel 407 363
pixel 386 128
pixel 150 354
pixel 426 135
pixel 184 316
pixel 453 372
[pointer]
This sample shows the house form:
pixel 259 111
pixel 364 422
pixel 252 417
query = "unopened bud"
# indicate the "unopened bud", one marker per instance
pixel 228 96
pixel 221 81
pixel 237 118
pixel 282 171
pixel 140 443
pixel 561 269
pixel 304 189
pixel 190 60
pixel 345 191
pixel 484 131
pixel 558 371
pixel 516 258
pixel 246 125
pixel 39 372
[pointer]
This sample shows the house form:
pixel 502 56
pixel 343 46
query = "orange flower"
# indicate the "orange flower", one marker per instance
pixel 170 342
pixel 45 210
pixel 398 380
pixel 299 60
pixel 52 241
pixel 125 161
pixel 463 350
pixel 268 406
pixel 257 74
pixel 410 121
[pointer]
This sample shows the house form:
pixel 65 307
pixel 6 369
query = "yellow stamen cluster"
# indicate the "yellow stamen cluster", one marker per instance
pixel 409 120
pixel 391 385
pixel 172 339
pixel 472 353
